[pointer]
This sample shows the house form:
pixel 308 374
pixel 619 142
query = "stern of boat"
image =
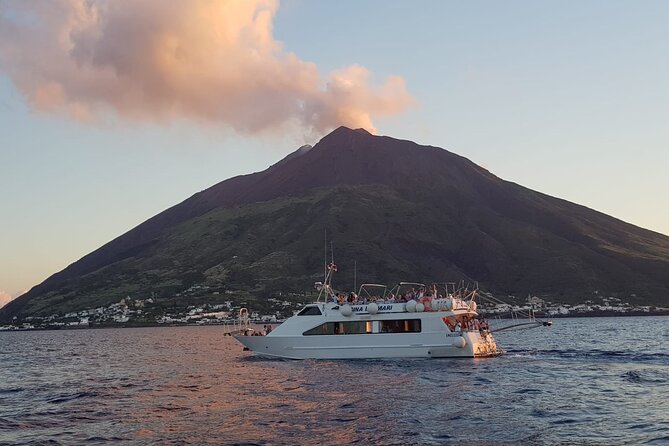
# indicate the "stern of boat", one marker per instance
pixel 481 344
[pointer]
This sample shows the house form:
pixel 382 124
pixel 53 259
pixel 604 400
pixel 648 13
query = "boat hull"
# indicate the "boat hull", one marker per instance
pixel 437 345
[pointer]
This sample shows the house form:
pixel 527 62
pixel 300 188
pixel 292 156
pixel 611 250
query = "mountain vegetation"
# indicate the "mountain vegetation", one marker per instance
pixel 393 210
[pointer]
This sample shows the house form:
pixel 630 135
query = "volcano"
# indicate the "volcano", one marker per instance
pixel 396 209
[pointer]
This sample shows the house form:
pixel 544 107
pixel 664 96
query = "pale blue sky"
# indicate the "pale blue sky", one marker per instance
pixel 567 98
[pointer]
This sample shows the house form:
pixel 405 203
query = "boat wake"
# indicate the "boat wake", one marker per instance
pixel 594 355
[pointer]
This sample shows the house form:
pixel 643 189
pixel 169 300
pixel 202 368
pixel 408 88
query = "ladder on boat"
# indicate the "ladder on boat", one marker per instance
pixel 239 326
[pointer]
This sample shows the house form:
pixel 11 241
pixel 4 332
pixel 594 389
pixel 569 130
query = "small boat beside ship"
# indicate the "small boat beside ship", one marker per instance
pixel 410 321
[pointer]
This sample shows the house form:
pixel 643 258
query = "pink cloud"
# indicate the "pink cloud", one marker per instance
pixel 210 61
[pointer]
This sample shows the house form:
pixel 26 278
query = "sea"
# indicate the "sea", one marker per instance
pixel 582 381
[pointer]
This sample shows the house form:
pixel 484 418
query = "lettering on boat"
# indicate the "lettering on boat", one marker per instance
pixel 363 308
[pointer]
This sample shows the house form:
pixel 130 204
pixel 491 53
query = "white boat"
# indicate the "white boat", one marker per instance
pixel 374 326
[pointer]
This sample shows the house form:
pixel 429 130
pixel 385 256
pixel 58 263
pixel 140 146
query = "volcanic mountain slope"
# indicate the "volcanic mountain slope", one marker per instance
pixel 400 210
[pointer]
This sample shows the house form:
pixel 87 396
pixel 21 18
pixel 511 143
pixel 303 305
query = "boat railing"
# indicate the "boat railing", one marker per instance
pixel 429 303
pixel 241 325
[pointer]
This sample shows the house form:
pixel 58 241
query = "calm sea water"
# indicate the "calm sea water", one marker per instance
pixel 601 381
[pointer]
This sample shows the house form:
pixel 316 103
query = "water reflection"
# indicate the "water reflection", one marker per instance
pixel 191 385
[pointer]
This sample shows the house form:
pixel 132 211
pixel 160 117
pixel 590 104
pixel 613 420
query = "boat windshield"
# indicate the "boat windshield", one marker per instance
pixel 310 310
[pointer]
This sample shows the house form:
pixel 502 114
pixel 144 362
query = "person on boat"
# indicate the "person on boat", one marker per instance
pixel 426 300
pixel 464 324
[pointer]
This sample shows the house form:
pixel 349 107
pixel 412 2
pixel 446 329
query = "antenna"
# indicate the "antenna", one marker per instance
pixel 355 276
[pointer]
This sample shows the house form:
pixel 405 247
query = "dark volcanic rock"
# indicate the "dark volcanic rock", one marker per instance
pixel 401 210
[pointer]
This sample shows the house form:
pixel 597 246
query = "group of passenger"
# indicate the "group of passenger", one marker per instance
pixel 424 296
pixel 467 323
pixel 266 329
pixel 478 324
pixel 353 299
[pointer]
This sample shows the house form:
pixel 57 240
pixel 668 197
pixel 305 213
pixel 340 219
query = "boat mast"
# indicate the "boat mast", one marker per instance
pixel 355 276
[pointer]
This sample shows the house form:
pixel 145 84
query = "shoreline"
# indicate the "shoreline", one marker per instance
pixel 489 317
pixel 541 315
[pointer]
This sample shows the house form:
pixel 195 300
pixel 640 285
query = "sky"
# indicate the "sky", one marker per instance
pixel 111 112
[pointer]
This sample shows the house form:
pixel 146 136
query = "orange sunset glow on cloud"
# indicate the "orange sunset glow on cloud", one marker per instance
pixel 209 61
pixel 5 298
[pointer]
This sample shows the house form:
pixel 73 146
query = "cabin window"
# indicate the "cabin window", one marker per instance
pixel 400 326
pixel 339 328
pixel 354 327
pixel 310 311
pixel 323 329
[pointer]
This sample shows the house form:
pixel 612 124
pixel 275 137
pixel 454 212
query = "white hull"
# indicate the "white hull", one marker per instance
pixel 426 335
pixel 410 345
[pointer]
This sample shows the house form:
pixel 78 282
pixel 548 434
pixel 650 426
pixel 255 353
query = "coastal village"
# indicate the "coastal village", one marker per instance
pixel 129 312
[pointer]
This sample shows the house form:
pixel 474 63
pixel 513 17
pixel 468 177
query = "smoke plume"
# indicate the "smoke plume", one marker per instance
pixel 5 298
pixel 213 61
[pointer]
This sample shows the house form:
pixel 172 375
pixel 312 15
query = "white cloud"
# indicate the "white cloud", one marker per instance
pixel 211 61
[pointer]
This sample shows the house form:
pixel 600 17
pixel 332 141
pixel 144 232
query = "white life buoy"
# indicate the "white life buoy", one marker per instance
pixel 459 342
